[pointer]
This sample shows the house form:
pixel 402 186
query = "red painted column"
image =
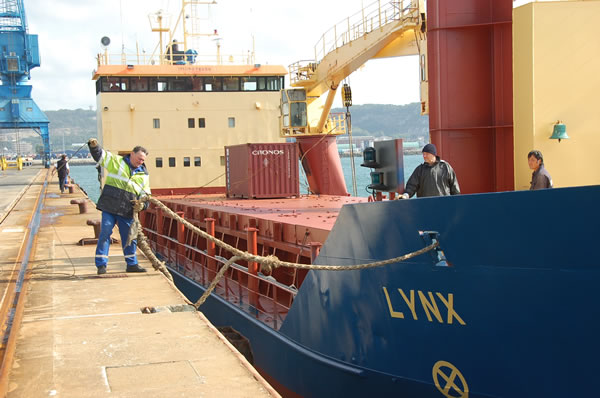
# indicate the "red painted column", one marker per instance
pixel 469 49
pixel 322 165
pixel 181 241
pixel 160 227
pixel 211 249
pixel 252 267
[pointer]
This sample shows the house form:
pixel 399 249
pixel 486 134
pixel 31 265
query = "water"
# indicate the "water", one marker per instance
pixel 87 176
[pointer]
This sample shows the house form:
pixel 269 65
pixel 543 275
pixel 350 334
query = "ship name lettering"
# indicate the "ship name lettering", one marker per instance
pixel 429 303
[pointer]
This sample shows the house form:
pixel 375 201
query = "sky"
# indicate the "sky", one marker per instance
pixel 284 31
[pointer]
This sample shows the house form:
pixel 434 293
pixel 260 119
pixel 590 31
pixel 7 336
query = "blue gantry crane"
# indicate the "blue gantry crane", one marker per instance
pixel 19 53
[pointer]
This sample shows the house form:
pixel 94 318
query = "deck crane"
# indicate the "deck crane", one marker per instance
pixel 380 30
pixel 18 55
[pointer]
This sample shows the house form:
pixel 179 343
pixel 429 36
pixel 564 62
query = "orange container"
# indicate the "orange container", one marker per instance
pixel 262 170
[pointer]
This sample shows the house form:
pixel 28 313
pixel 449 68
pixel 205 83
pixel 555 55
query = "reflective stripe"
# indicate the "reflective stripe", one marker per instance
pixel 101 256
pixel 130 256
pixel 117 177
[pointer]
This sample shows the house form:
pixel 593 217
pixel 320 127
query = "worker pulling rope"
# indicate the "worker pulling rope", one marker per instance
pixel 268 263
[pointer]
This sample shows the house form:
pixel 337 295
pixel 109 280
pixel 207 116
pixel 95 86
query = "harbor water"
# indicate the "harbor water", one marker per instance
pixel 87 176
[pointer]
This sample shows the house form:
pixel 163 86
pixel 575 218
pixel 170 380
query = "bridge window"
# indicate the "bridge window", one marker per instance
pixel 186 161
pixel 262 83
pixel 191 123
pixel 213 84
pixel 180 84
pixel 231 84
pixel 249 83
pixel 189 84
pixel 197 161
pixel 156 123
pixel 273 84
pixel 201 123
pixel 231 122
pixel 158 162
pixel 197 84
pixel 222 160
pixel 171 162
pixel 139 84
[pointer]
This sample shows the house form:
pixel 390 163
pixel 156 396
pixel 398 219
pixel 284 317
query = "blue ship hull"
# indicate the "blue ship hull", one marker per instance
pixel 511 312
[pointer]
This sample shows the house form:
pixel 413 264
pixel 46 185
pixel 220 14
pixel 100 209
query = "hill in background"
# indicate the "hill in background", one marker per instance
pixel 69 128
pixel 396 121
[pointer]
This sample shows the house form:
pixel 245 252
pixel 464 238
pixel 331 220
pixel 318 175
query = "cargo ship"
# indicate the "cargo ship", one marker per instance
pixel 504 305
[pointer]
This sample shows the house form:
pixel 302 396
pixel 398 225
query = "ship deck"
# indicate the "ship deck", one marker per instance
pixel 85 335
pixel 311 211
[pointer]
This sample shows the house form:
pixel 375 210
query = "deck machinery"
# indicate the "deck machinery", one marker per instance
pixel 19 53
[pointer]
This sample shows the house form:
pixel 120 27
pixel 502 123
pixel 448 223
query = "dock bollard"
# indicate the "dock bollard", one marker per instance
pixel 82 205
pixel 96 224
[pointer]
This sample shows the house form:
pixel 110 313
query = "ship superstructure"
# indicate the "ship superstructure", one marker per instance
pixel 185 115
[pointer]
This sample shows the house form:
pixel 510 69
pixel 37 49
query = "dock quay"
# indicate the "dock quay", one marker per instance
pixel 69 332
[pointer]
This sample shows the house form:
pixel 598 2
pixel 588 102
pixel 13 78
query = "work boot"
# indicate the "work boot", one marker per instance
pixel 135 268
pixel 102 270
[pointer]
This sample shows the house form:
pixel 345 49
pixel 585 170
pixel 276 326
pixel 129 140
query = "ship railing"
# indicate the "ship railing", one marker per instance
pixel 269 303
pixel 149 59
pixel 370 18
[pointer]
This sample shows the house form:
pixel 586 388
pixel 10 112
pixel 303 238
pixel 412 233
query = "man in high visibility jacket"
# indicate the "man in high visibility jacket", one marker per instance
pixel 127 179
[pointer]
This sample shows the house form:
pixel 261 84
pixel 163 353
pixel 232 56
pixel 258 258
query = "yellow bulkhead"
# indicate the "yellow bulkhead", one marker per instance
pixel 556 77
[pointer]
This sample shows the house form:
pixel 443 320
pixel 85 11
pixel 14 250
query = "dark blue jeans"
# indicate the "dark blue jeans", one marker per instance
pixel 108 223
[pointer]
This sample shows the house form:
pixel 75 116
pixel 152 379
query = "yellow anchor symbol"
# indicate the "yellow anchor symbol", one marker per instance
pixel 448 385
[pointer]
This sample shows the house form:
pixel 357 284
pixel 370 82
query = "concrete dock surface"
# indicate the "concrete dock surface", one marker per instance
pixel 84 335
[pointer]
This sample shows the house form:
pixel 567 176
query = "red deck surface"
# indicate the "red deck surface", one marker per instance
pixel 312 211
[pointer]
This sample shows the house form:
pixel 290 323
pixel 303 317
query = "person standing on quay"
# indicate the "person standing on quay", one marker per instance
pixel 62 169
pixel 435 177
pixel 127 179
pixel 540 178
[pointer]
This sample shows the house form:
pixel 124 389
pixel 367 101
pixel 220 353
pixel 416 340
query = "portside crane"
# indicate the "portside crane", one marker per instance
pixel 19 53
pixel 380 30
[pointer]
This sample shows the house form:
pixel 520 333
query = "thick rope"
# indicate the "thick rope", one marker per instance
pixel 267 263
pixel 136 230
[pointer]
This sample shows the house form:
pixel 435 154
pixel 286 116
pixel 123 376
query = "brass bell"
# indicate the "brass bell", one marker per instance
pixel 559 132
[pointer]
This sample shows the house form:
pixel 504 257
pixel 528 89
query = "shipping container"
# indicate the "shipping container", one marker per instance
pixel 262 170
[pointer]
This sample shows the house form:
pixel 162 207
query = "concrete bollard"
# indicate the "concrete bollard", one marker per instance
pixel 82 205
pixel 97 225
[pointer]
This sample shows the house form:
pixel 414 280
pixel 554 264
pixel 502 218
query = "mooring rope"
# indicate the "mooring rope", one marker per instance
pixel 268 263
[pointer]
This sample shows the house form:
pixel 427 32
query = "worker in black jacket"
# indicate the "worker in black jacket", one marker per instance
pixel 435 177
pixel 62 168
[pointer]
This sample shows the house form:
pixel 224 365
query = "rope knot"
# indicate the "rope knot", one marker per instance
pixel 268 264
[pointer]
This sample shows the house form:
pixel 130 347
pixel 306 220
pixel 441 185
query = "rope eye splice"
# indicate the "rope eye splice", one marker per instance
pixel 268 263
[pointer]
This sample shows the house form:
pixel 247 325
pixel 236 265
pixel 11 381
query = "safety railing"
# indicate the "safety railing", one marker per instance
pixel 148 59
pixel 372 17
pixel 269 301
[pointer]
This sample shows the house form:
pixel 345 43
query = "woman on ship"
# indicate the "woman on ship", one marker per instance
pixel 540 179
